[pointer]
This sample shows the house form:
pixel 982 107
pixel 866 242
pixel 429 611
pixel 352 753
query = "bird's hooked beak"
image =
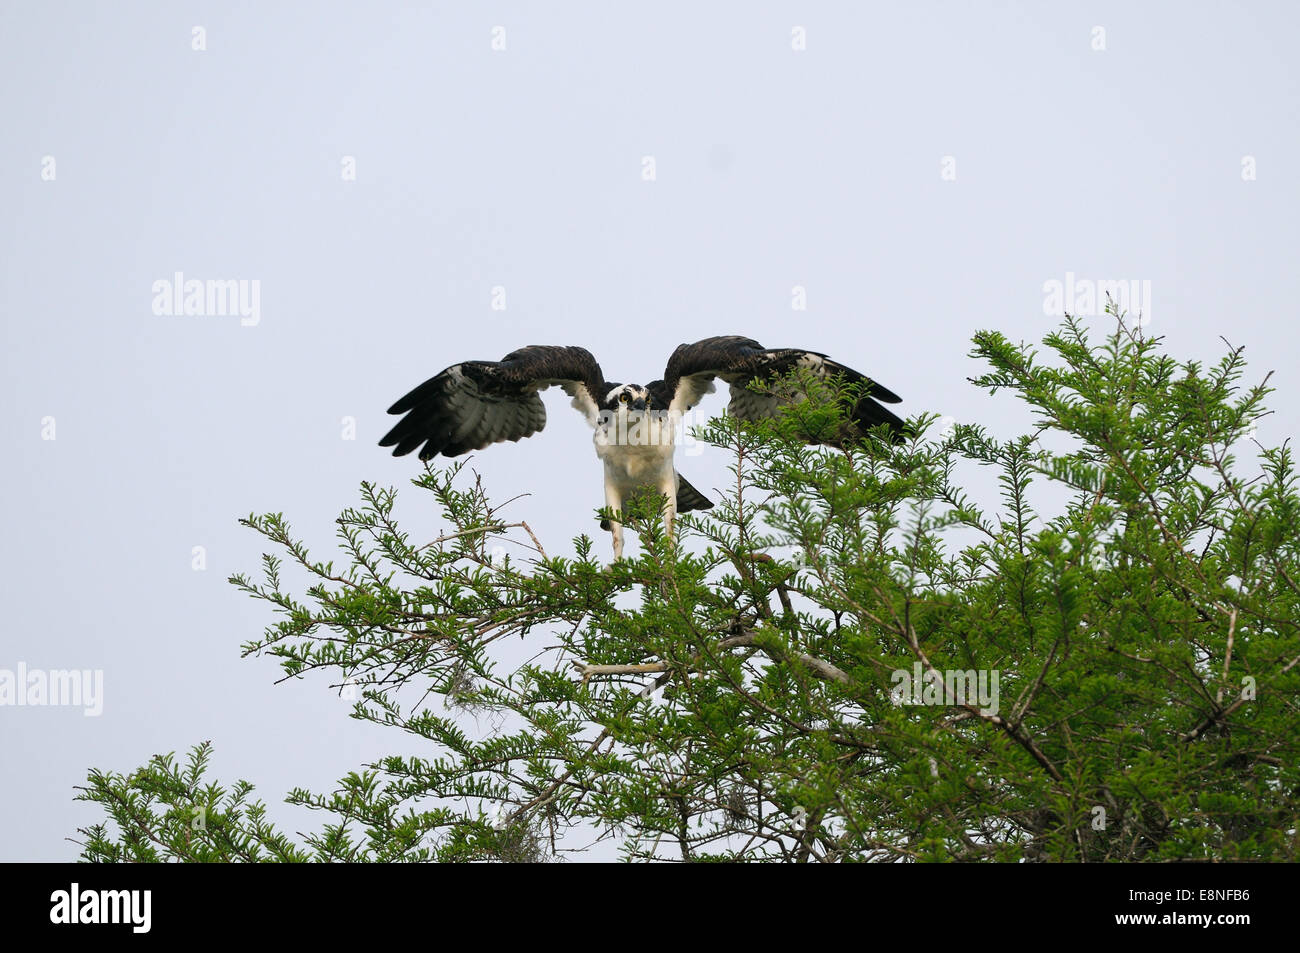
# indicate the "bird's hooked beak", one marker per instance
pixel 638 404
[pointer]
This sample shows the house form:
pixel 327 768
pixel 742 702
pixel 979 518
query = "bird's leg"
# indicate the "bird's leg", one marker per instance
pixel 668 487
pixel 614 501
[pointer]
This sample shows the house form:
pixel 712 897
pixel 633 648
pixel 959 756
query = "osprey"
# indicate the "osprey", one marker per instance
pixel 474 404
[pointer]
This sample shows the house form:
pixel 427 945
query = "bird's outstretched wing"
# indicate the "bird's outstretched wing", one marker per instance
pixel 476 403
pixel 740 360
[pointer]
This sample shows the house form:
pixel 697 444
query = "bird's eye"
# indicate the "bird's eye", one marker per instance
pixel 623 397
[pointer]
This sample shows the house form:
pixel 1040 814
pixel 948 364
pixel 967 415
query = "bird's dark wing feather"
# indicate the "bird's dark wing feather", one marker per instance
pixel 740 360
pixel 476 403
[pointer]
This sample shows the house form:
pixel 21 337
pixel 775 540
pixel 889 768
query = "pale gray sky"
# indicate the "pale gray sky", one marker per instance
pixel 776 167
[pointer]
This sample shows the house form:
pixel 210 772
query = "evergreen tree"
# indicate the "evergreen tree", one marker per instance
pixel 797 677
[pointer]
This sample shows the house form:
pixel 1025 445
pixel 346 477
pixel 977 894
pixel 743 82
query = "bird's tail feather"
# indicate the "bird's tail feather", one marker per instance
pixel 689 498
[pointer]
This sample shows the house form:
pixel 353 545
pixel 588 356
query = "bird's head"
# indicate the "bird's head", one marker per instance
pixel 626 398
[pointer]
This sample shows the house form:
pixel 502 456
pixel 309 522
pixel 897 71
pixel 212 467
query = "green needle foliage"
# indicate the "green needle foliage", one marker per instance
pixel 737 696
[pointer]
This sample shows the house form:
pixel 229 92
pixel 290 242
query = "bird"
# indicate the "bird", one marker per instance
pixel 474 404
